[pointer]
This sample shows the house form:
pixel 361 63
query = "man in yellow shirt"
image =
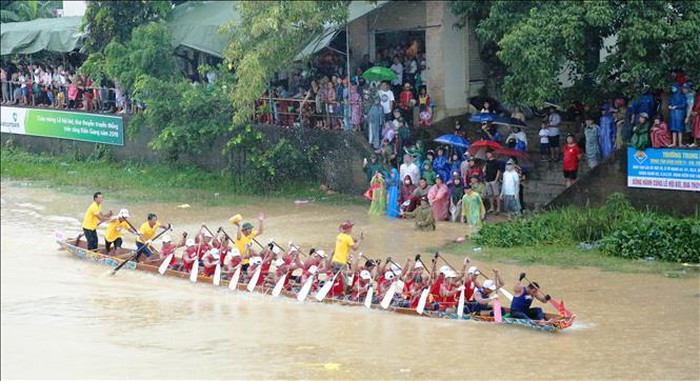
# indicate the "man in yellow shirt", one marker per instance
pixel 343 243
pixel 113 235
pixel 146 233
pixel 244 239
pixel 93 217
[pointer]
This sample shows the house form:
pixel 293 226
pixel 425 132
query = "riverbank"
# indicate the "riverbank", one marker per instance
pixel 135 181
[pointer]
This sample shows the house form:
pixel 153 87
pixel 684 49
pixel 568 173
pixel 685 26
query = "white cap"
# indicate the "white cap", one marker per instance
pixel 396 269
pixel 215 253
pixel 399 285
pixel 490 284
pixel 444 269
pixel 279 262
pixel 123 213
pixel 364 274
pixel 321 253
pixel 418 265
pixel 473 270
pixel 313 269
pixel 207 234
pixel 255 260
pixel 389 275
pixel 190 242
pixel 235 252
pixel 167 238
pixel 450 274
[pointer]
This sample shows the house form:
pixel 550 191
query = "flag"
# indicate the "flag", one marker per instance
pixel 370 191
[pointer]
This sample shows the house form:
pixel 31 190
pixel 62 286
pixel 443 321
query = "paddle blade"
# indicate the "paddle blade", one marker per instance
pixel 389 296
pixel 217 275
pixel 304 292
pixel 254 280
pixel 421 302
pixel 369 296
pixel 194 271
pixel 497 317
pixel 233 284
pixel 164 266
pixel 278 287
pixel 321 294
pixel 506 293
pixel 460 304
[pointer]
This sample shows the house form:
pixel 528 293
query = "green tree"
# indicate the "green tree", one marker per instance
pixel 531 41
pixel 27 10
pixel 267 37
pixel 147 53
pixel 114 20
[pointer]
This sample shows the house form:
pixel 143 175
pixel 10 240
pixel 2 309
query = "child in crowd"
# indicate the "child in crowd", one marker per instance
pixel 544 141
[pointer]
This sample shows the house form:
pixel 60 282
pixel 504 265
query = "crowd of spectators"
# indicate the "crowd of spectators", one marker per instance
pixel 59 87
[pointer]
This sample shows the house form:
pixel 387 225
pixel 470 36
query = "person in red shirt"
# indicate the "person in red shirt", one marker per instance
pixel 474 170
pixel 572 155
pixel 407 102
pixel 189 256
pixel 234 260
pixel 169 248
pixel 210 261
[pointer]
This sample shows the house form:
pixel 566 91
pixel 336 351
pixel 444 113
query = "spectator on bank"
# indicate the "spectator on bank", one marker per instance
pixel 544 141
pixel 371 167
pixel 492 178
pixel 355 107
pixel 406 102
pixel 386 97
pixel 456 193
pixel 572 155
pixel 640 134
pixel 464 167
pixel 473 211
pixel 660 135
pixel 440 165
pixel 425 112
pixel 689 94
pixel 428 173
pixel 410 169
pixel 486 108
pixel 518 114
pixel 696 120
pixel 455 165
pixel 510 189
pixel 553 122
pixel 517 139
pixel 397 67
pixel 477 186
pixel 677 107
pixel 590 132
pixel 475 170
pixel 439 197
pixel 377 191
pixel 406 194
pixel 490 132
pixel 331 105
pixel 375 121
pixel 606 132
pixel 392 185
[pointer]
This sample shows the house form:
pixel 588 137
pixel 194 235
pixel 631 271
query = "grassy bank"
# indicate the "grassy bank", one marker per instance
pixel 570 257
pixel 154 182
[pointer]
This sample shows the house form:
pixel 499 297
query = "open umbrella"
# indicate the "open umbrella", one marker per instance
pixel 478 148
pixel 508 121
pixel 482 117
pixel 379 73
pixel 453 140
pixel 509 152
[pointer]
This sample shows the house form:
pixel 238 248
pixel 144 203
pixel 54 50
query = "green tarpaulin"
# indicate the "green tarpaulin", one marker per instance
pixel 197 25
pixel 59 34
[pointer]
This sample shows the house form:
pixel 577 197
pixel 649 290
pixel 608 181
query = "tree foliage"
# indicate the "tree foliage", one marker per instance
pixel 147 53
pixel 531 41
pixel 114 20
pixel 268 37
pixel 27 10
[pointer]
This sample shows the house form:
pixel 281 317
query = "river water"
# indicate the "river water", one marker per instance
pixel 66 319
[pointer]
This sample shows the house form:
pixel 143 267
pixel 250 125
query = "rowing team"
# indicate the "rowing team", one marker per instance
pixel 361 279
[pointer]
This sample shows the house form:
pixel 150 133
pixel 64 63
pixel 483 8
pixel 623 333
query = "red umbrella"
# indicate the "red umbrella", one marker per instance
pixel 509 152
pixel 480 145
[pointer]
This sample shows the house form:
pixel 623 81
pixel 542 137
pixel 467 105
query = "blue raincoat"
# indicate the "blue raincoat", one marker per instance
pixel 606 135
pixel 677 114
pixel 392 184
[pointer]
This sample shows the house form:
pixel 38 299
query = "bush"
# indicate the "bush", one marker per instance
pixel 620 229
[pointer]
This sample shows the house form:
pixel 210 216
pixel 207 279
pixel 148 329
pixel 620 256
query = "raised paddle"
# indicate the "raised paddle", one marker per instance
pixel 460 304
pixel 114 271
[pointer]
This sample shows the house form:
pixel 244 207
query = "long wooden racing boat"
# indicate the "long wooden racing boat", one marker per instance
pixel 551 323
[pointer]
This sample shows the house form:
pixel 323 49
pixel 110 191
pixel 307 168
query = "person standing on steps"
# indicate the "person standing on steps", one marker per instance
pixel 93 217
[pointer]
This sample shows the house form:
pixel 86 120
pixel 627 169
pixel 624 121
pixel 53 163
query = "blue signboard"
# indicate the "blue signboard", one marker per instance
pixel 673 169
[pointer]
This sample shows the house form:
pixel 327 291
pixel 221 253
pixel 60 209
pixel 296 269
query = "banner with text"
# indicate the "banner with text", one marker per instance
pixel 674 169
pixel 63 124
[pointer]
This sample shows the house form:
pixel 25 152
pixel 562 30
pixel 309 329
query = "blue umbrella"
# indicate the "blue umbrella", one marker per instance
pixel 508 121
pixel 482 117
pixel 453 140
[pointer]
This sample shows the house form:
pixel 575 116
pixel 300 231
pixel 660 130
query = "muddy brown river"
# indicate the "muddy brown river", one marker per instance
pixel 66 319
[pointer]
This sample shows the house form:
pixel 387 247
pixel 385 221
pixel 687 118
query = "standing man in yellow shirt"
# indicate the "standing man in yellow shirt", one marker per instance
pixel 113 235
pixel 146 233
pixel 343 243
pixel 244 239
pixel 93 217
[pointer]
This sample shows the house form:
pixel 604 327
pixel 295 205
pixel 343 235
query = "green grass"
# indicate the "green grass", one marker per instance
pixel 153 182
pixel 570 257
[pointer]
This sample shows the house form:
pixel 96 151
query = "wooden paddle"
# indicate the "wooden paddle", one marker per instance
pixel 306 288
pixel 426 291
pixel 194 271
pixel 321 294
pixel 497 314
pixel 254 280
pixel 138 252
pixel 278 286
pixel 217 274
pixel 233 283
pixel 460 304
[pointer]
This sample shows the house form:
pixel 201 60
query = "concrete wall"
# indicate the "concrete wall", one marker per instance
pixel 611 176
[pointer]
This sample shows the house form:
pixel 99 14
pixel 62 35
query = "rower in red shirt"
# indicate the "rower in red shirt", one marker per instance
pixel 189 256
pixel 210 260
pixel 169 248
pixel 234 260
pixel 361 286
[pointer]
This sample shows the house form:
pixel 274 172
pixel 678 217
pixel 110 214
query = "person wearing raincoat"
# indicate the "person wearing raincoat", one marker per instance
pixel 456 193
pixel 378 194
pixel 455 166
pixel 371 167
pixel 590 131
pixel 473 210
pixel 428 173
pixel 676 106
pixel 440 165
pixel 392 185
pixel 439 197
pixel 423 215
pixel 640 136
pixel 606 132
